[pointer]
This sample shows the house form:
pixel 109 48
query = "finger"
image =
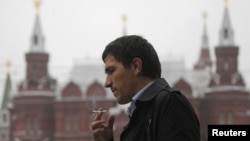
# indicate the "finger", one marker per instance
pixel 98 115
pixel 98 131
pixel 111 121
pixel 97 124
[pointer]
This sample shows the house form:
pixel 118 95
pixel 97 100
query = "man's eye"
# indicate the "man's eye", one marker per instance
pixel 110 70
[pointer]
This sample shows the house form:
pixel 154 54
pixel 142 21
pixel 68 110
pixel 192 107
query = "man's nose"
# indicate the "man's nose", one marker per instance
pixel 108 82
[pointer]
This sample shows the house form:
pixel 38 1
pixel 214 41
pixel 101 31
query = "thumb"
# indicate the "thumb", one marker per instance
pixel 111 121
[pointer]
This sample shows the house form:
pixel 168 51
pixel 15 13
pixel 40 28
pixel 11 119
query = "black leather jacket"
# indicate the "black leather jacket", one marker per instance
pixel 162 114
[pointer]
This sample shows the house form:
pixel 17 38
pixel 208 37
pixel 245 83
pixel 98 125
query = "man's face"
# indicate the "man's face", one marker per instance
pixel 120 80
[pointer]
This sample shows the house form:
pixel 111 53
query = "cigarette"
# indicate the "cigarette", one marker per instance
pixel 102 111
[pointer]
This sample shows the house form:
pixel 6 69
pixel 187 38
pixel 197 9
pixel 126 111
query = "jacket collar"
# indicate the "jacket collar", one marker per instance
pixel 153 90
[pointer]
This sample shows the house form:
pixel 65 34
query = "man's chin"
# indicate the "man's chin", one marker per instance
pixel 121 102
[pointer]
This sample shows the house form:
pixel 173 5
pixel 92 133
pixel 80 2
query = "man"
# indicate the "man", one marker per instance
pixel 157 112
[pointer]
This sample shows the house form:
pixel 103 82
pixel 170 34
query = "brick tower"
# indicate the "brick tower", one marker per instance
pixel 32 112
pixel 227 99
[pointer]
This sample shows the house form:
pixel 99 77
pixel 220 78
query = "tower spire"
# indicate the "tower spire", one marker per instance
pixel 37 4
pixel 37 39
pixel 204 61
pixel 7 88
pixel 8 66
pixel 226 31
pixel 226 3
pixel 204 36
pixel 124 20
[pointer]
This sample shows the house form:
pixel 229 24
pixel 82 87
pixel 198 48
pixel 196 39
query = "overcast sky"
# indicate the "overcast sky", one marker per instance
pixel 78 29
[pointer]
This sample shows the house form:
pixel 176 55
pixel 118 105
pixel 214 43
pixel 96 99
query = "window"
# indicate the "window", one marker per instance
pixel 225 33
pixel 3 136
pixel 76 123
pixel 71 124
pixel 35 39
pixel 221 118
pixel 67 124
pixel 34 72
pixel 226 66
pixel 4 117
pixel 226 118
pixel 97 92
pixel 31 125
pixel 72 94
pixel 229 118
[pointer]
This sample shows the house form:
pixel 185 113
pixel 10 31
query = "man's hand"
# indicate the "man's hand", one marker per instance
pixel 102 130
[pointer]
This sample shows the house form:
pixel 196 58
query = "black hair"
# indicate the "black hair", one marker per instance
pixel 126 48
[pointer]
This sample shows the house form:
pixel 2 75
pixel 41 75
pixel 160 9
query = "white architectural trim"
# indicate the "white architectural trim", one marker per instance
pixel 36 93
pixel 226 88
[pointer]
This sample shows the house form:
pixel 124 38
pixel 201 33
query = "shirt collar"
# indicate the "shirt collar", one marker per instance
pixel 132 106
pixel 138 94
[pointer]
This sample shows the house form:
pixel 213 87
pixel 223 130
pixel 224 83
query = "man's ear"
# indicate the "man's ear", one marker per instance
pixel 137 65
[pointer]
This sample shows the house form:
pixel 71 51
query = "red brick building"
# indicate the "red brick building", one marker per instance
pixel 41 112
pixel 225 98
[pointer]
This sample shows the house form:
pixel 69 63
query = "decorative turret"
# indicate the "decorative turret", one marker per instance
pixel 204 61
pixel 37 75
pixel 226 101
pixel 226 56
pixel 32 115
